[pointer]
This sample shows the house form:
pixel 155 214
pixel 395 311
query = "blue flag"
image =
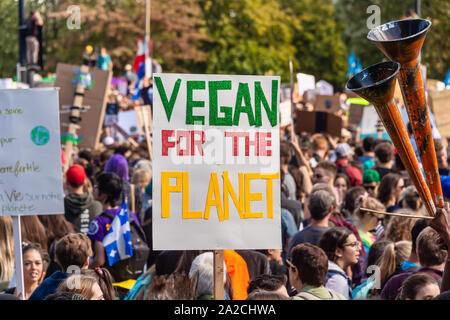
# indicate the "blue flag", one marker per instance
pixel 447 78
pixel 117 241
pixel 351 65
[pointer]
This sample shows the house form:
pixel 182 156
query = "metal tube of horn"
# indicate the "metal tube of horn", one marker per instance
pixel 377 85
pixel 401 41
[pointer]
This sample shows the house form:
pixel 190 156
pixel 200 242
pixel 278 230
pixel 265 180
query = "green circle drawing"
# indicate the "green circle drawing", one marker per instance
pixel 40 135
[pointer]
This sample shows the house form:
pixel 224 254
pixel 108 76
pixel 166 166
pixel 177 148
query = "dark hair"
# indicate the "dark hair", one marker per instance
pixel 345 177
pixel 65 296
pixel 416 230
pixel 122 150
pixel 438 145
pixel 56 226
pixel 44 255
pixel 387 184
pixel 443 296
pixel 332 239
pixel 384 152
pixel 73 249
pixel 428 249
pixel 266 295
pixel 311 263
pixel 33 231
pixel 412 198
pixel 414 283
pixel 369 143
pixel 320 203
pixel 285 152
pixel 104 279
pixel 111 185
pixel 85 154
pixel 348 205
pixel 267 282
pixel 376 251
pixel 328 166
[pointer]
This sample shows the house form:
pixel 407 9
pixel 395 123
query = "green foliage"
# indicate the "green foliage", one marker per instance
pixel 248 37
pixel 317 38
pixel 435 53
pixel 9 48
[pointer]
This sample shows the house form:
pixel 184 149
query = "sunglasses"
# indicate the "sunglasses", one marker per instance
pixel 369 187
pixel 318 176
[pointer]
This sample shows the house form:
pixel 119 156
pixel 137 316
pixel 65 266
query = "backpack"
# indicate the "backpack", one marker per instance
pixel 310 296
pixel 131 268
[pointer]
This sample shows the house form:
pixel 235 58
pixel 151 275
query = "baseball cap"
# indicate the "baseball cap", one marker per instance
pixel 344 150
pixel 76 174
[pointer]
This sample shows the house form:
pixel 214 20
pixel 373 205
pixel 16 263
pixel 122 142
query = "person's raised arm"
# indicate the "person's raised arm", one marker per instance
pixel 301 160
pixel 441 223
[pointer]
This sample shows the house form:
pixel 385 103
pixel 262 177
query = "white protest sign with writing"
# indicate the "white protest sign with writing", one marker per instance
pixel 30 168
pixel 216 162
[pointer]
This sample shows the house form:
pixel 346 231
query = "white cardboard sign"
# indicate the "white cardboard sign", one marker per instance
pixel 30 165
pixel 216 162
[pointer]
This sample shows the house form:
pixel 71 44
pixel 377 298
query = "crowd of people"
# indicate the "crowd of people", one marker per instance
pixel 332 248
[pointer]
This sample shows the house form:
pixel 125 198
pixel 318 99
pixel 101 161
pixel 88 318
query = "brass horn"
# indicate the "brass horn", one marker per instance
pixel 401 41
pixel 377 85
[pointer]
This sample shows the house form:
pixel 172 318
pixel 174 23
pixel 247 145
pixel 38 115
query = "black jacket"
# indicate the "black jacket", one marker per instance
pixel 80 210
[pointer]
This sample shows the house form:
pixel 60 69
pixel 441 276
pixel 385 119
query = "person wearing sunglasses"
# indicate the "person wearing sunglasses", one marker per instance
pixel 342 249
pixel 371 179
pixel 308 268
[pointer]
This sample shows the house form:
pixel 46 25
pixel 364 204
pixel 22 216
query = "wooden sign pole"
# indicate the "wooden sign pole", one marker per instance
pixel 146 115
pixel 218 275
pixel 291 72
pixel 18 256
pixel 75 112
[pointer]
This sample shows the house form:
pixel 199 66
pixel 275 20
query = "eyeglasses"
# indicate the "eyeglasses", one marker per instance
pixel 290 264
pixel 354 244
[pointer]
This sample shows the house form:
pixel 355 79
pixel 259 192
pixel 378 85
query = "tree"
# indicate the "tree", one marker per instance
pixel 317 38
pixel 435 52
pixel 247 37
pixel 9 47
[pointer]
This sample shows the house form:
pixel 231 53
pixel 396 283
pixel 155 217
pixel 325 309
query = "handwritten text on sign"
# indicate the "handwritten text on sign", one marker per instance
pixel 216 162
pixel 30 171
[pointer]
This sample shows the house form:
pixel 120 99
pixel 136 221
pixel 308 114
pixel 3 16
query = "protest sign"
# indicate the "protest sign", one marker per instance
pixel 318 122
pixel 94 97
pixel 327 103
pixel 441 110
pixel 30 174
pixel 305 82
pixel 370 124
pixel 285 113
pixel 216 162
pixel 127 120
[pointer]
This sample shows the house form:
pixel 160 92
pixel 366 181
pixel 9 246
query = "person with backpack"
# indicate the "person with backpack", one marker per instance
pixel 308 268
pixel 80 208
pixel 342 249
pixel 108 191
pixel 344 154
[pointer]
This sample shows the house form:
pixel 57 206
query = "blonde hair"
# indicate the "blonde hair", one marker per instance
pixel 368 203
pixel 399 228
pixel 394 254
pixel 80 284
pixel 6 248
pixel 141 178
